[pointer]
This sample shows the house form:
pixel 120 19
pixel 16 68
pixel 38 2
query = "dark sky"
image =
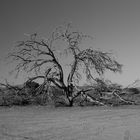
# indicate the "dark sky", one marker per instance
pixel 115 23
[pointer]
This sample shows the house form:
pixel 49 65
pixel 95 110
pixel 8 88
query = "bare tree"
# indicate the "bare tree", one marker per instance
pixel 39 56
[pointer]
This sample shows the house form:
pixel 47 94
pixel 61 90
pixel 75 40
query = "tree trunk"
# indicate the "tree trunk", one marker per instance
pixel 69 97
pixel 71 103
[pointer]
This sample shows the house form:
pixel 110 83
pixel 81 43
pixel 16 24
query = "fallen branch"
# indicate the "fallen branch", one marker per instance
pixel 126 101
pixel 91 99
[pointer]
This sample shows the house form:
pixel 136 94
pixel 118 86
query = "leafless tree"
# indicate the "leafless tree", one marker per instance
pixel 36 55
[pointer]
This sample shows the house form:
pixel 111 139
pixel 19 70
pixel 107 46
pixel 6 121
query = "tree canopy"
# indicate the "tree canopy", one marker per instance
pixel 39 56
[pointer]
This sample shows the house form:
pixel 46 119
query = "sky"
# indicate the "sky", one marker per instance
pixel 114 24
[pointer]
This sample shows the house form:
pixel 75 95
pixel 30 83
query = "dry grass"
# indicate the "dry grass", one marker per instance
pixel 77 123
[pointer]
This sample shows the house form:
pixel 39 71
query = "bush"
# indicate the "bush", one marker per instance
pixel 26 96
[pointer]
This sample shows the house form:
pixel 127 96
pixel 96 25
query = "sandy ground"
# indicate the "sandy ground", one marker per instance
pixel 77 123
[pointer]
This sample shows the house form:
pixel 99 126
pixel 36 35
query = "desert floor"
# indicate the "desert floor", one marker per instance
pixel 76 123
